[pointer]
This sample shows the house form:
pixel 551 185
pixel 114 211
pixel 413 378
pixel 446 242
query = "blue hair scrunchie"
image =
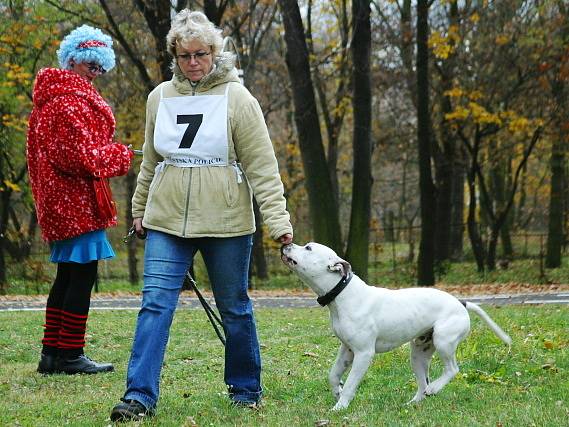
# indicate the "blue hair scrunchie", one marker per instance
pixel 86 44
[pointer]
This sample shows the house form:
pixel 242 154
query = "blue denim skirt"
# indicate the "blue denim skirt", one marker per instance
pixel 92 246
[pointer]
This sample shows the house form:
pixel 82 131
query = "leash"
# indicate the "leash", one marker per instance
pixel 214 319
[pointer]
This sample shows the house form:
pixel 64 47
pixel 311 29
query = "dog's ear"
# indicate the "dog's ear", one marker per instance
pixel 342 266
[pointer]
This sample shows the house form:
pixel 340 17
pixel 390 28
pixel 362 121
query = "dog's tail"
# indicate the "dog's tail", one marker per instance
pixel 470 306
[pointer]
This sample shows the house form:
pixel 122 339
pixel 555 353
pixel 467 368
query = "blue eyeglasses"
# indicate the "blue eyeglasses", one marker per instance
pixel 95 68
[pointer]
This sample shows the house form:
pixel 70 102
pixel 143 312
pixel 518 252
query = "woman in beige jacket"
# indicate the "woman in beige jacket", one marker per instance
pixel 207 152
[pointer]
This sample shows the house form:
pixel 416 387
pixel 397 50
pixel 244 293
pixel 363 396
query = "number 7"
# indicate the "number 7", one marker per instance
pixel 194 122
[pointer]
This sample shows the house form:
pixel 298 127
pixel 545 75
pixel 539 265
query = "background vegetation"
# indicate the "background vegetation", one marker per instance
pixel 451 156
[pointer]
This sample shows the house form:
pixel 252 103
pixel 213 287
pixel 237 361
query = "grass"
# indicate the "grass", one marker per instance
pixel 526 386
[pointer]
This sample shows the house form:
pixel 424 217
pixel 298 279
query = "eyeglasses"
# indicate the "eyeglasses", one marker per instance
pixel 187 57
pixel 95 68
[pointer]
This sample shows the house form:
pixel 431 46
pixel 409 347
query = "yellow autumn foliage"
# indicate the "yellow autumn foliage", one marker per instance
pixel 483 116
pixel 440 45
pixel 455 92
pixel 459 113
pixel 502 39
pixel 475 95
pixel 14 187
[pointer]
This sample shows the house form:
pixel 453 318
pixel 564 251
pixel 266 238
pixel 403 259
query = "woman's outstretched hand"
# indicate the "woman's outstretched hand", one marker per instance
pixel 285 239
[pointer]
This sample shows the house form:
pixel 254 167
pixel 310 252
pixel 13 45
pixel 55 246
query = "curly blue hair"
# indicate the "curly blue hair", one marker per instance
pixel 86 44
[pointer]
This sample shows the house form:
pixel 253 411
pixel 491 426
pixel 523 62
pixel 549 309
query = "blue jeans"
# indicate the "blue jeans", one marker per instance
pixel 166 260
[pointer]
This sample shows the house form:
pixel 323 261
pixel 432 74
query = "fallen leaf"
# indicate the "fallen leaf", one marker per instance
pixel 190 422
pixel 548 344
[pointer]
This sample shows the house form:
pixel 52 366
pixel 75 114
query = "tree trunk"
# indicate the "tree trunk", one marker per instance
pixel 475 240
pixel 133 276
pixel 457 216
pixel 389 225
pixel 426 274
pixel 324 212
pixel 3 279
pixel 358 240
pixel 445 155
pixel 556 235
pixel 506 238
pixel 445 175
pixel 333 115
pixel 492 245
pixel 258 258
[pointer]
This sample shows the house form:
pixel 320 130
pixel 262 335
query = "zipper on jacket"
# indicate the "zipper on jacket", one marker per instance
pixel 186 211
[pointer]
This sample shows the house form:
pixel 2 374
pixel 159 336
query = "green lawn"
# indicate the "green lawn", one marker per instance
pixel 527 386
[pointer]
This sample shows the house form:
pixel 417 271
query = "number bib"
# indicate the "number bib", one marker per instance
pixel 191 131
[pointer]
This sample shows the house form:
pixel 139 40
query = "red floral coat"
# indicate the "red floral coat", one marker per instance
pixel 70 138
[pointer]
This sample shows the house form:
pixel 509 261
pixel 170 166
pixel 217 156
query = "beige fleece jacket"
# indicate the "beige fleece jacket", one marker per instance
pixel 210 201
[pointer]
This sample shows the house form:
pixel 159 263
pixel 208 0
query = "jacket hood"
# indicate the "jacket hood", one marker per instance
pixel 223 71
pixel 53 82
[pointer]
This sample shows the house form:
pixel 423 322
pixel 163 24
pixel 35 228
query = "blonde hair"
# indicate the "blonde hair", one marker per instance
pixel 188 26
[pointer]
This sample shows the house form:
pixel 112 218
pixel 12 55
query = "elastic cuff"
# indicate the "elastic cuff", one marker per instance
pixel 49 350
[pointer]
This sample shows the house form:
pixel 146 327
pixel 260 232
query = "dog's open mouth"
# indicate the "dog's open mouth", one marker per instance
pixel 287 260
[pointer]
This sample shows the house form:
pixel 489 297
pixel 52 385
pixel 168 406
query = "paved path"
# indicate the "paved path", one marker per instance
pixel 187 302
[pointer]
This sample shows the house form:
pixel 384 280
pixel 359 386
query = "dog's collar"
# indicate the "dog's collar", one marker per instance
pixel 335 291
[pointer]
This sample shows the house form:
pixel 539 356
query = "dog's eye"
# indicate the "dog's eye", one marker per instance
pixel 308 248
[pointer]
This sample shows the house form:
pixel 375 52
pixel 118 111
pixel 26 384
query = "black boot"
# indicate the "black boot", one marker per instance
pixel 48 364
pixel 130 410
pixel 83 365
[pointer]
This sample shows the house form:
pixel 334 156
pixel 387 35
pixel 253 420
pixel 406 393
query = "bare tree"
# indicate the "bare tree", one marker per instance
pixel 323 207
pixel 426 275
pixel 358 239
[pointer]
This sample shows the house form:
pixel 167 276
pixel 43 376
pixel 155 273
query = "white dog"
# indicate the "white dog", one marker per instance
pixel 370 320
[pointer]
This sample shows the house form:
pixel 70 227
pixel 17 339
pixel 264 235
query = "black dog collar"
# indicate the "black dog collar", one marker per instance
pixel 335 291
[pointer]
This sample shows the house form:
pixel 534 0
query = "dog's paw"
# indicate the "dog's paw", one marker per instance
pixel 418 397
pixel 341 404
pixel 432 389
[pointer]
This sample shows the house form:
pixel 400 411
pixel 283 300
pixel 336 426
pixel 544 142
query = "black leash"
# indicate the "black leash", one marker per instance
pixel 189 281
pixel 211 314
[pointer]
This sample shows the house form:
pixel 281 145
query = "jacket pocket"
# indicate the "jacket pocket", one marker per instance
pixel 231 186
pixel 157 179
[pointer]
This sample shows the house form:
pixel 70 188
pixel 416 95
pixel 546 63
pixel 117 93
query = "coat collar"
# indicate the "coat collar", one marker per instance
pixel 223 72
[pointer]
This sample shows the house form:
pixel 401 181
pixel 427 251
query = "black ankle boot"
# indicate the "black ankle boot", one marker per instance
pixel 48 364
pixel 83 365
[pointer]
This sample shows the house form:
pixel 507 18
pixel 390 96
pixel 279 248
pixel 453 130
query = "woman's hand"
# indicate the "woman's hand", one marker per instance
pixel 285 239
pixel 140 231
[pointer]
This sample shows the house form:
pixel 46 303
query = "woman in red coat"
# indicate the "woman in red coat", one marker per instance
pixel 70 141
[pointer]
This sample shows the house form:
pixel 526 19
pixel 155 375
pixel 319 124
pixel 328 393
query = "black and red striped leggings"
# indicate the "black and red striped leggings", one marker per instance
pixel 68 308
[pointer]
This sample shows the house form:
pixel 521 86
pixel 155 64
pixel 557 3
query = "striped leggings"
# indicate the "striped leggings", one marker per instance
pixel 68 308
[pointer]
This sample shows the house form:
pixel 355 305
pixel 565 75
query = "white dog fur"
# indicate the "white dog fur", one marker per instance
pixel 370 320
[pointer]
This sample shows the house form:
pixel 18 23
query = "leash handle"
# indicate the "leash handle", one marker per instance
pixel 131 233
